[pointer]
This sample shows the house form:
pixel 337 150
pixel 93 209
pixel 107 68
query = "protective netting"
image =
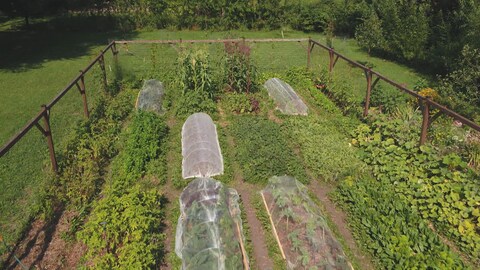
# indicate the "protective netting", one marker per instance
pixel 301 230
pixel 151 96
pixel 200 148
pixel 209 231
pixel 288 102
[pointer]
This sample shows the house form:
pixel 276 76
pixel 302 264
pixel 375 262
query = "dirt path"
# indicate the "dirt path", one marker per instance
pixel 44 246
pixel 336 215
pixel 245 190
pixel 339 218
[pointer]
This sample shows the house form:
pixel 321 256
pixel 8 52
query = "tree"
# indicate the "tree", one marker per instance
pixel 369 34
pixel 29 8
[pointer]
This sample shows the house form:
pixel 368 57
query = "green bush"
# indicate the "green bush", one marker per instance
pixel 240 103
pixel 387 98
pixel 91 148
pixel 262 151
pixel 124 228
pixel 145 137
pixel 193 102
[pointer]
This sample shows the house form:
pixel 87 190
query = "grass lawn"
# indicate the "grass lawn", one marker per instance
pixel 35 66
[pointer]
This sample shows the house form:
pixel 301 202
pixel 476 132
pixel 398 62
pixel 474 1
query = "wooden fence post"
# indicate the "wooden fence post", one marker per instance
pixel 425 120
pixel 331 56
pixel 81 88
pixel 101 62
pixel 47 132
pixel 368 75
pixel 309 52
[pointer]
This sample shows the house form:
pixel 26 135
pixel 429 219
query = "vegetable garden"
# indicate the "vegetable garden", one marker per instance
pixel 163 184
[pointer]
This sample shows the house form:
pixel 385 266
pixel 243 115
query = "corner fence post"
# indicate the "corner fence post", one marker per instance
pixel 101 61
pixel 81 88
pixel 48 134
pixel 425 120
pixel 309 52
pixel 331 56
pixel 368 75
pixel 114 49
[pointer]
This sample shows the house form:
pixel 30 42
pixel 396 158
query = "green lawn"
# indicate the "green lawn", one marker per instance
pixel 35 66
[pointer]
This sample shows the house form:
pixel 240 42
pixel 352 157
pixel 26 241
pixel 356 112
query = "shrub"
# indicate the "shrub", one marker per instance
pixel 387 98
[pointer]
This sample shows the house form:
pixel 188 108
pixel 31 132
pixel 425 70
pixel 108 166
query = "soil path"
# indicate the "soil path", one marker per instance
pixel 338 217
pixel 43 246
pixel 245 190
pixel 172 194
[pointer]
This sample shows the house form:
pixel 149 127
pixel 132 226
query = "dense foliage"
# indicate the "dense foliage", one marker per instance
pixel 124 228
pixel 265 152
pixel 387 226
pixel 91 148
pixel 196 82
pixel 439 187
pixel 240 73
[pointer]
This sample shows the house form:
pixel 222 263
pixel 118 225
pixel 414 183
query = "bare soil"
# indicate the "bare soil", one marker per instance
pixel 339 218
pixel 43 246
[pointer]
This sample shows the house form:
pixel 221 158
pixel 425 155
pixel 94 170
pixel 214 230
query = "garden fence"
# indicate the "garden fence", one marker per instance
pixel 334 56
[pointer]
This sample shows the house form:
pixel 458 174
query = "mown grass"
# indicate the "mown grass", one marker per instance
pixel 36 65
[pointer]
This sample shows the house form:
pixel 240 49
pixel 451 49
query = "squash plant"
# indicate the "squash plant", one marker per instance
pixel 439 186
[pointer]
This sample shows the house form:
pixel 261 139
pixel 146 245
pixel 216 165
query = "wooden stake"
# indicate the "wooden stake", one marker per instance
pixel 273 226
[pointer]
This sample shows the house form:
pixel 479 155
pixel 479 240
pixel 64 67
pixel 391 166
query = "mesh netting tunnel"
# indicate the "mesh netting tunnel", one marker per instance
pixel 288 102
pixel 151 96
pixel 209 231
pixel 200 148
pixel 300 228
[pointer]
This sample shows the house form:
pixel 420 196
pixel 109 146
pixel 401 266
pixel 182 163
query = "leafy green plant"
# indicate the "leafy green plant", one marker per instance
pixel 124 228
pixel 241 103
pixel 193 102
pixel 124 231
pixel 265 152
pixel 439 186
pixel 387 98
pixel 395 234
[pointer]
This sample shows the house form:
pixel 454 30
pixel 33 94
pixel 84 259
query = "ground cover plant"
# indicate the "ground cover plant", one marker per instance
pixel 265 152
pixel 394 233
pixel 438 185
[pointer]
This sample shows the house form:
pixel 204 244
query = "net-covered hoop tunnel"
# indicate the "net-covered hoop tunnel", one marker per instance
pixel 150 98
pixel 200 147
pixel 288 102
pixel 209 230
